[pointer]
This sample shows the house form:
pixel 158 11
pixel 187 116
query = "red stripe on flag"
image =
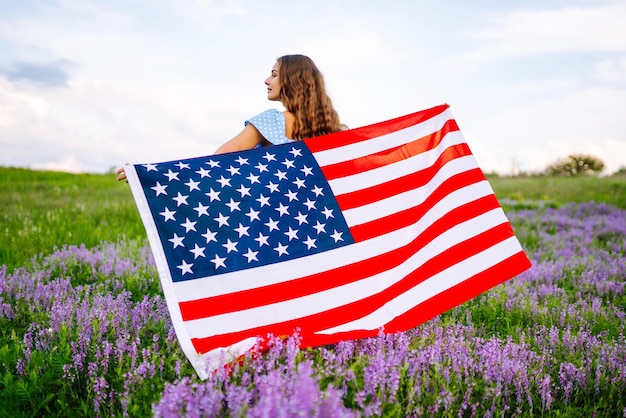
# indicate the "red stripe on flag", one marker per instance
pixel 389 156
pixel 339 139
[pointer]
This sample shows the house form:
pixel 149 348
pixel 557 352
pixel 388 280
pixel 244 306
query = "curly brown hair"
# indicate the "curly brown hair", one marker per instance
pixel 303 93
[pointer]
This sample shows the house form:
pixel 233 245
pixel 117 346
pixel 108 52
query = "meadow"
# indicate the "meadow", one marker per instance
pixel 84 328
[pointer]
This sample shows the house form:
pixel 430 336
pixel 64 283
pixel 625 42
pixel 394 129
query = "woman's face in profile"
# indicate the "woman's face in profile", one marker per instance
pixel 273 83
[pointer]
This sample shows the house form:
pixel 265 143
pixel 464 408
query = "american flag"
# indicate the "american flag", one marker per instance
pixel 338 237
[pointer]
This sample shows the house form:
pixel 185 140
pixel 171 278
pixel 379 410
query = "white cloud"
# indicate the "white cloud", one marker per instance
pixel 611 70
pixel 167 79
pixel 572 29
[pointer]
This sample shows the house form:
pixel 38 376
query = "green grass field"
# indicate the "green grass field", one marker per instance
pixel 42 210
pixel 611 190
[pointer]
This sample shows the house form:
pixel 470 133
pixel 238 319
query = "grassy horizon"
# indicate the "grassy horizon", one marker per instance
pixel 44 210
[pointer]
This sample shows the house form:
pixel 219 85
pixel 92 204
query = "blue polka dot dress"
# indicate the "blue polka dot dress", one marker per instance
pixel 271 125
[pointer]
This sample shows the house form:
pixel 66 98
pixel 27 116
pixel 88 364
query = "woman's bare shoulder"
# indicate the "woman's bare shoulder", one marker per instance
pixel 290 119
pixel 289 116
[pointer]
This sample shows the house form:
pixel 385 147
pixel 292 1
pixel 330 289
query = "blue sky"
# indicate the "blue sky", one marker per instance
pixel 89 85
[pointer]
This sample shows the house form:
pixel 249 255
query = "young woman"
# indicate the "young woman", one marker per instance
pixel 298 84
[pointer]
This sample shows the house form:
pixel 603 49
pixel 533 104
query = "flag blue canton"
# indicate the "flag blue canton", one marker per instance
pixel 229 212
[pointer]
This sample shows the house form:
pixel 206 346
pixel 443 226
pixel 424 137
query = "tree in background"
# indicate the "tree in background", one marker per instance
pixel 576 165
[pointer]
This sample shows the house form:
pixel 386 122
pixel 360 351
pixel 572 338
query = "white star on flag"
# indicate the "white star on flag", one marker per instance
pixel 159 189
pixel 168 214
pixel 185 268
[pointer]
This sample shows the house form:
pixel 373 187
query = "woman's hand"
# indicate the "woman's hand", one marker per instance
pixel 121 174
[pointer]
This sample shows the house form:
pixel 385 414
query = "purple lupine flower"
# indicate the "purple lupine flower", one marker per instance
pixel 20 368
pixel 569 378
pixel 545 391
pixel 100 392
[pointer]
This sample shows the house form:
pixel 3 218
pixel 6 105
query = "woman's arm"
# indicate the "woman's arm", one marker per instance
pixel 249 138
